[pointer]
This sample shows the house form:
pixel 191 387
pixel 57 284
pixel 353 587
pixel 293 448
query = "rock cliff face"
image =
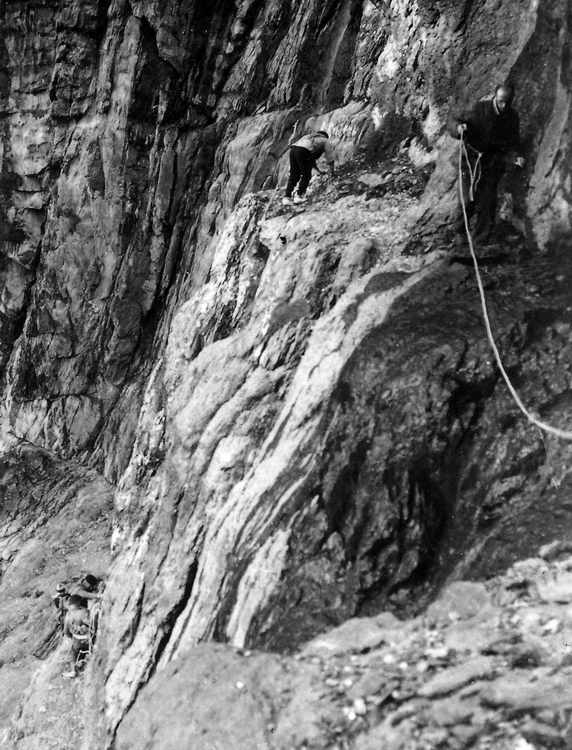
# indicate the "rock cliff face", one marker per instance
pixel 297 410
pixel 485 667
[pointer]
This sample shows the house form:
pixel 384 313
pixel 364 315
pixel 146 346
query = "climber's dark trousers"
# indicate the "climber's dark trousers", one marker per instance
pixel 484 206
pixel 301 163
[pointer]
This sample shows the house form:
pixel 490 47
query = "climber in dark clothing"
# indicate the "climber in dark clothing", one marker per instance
pixel 90 587
pixel 491 133
pixel 303 156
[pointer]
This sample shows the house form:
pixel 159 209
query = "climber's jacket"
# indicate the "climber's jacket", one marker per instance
pixel 318 145
pixel 489 131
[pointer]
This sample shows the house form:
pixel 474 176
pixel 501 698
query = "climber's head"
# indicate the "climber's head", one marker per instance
pixel 90 582
pixel 504 94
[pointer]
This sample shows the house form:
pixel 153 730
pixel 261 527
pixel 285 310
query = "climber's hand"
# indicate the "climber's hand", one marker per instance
pixel 461 127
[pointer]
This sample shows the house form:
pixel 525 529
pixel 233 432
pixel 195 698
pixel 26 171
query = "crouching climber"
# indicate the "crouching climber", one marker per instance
pixel 77 632
pixel 304 154
pixel 490 131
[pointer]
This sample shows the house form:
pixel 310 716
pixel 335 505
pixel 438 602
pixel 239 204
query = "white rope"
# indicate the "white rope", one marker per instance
pixel 474 172
pixel 564 434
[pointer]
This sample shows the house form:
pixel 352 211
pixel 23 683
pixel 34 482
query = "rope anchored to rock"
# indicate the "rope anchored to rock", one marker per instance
pixel 474 174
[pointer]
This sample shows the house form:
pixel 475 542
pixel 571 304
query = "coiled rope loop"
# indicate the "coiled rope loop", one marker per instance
pixel 474 176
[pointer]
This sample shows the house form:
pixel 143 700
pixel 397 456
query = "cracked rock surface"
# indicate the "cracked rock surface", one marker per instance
pixel 295 410
pixel 487 666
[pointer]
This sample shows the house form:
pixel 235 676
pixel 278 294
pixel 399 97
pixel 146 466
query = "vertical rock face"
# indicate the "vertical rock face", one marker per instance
pixel 113 141
pixel 291 412
pixel 129 131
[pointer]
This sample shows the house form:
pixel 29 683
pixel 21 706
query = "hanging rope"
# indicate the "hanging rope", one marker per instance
pixel 474 172
pixel 564 434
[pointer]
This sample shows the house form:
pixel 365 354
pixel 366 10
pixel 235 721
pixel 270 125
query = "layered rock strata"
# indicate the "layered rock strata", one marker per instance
pixel 484 667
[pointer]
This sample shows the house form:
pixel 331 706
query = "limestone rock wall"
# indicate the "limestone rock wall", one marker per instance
pixel 282 458
pixel 130 130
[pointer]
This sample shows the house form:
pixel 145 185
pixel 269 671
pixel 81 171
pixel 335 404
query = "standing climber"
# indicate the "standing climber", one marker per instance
pixel 77 630
pixel 491 133
pixel 91 589
pixel 303 156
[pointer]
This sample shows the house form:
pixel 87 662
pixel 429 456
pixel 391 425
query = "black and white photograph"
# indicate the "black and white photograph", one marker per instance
pixel 285 374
